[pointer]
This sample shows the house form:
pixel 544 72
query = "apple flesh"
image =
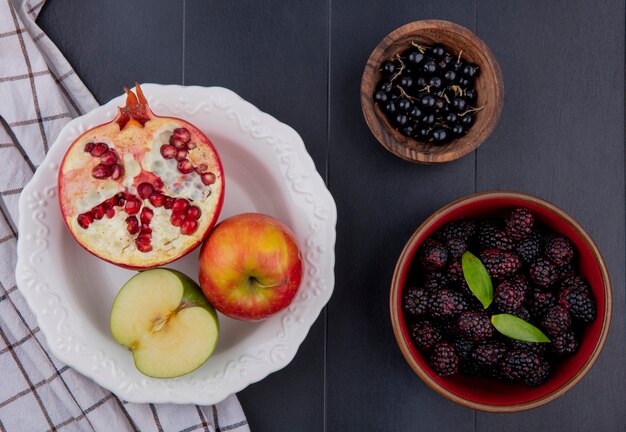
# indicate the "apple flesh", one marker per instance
pixel 162 317
pixel 250 267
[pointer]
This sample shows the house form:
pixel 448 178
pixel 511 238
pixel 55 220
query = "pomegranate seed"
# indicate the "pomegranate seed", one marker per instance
pixel 109 157
pixel 182 154
pixel 143 245
pixel 169 202
pixel 168 151
pixel 202 168
pixel 182 133
pixel 84 220
pixel 208 178
pixel 158 183
pixel 132 206
pixel 144 236
pixel 181 204
pixel 110 212
pixel 157 199
pixel 145 229
pixel 193 212
pixel 185 167
pixel 189 226
pixel 101 172
pixel 89 147
pixel 146 215
pixel 98 212
pixel 132 224
pixel 178 143
pixel 117 171
pixel 144 190
pixel 111 202
pixel 99 149
pixel 177 218
pixel 191 145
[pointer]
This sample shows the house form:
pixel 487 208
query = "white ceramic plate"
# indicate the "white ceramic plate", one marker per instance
pixel 267 170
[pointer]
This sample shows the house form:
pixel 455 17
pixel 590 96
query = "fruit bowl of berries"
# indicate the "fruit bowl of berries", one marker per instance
pixel 500 302
pixel 431 92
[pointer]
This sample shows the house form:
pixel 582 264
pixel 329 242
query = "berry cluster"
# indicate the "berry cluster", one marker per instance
pixel 428 94
pixel 534 276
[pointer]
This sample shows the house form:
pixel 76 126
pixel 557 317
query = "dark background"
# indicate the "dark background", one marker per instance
pixel 561 137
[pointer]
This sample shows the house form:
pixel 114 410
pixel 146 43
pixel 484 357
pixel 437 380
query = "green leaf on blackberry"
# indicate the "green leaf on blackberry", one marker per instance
pixel 516 328
pixel 477 278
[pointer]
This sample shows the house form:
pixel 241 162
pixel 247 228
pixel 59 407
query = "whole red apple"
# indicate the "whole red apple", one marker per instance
pixel 250 267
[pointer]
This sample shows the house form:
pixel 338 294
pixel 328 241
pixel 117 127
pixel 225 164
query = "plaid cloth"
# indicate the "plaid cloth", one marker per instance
pixel 40 93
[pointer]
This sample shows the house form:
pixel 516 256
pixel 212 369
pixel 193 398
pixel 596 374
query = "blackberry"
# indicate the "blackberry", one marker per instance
pixel 510 294
pixel 415 301
pixel 566 271
pixel 529 248
pixel 543 273
pixel 435 280
pixel 425 335
pixel 519 224
pixel 446 303
pixel 491 237
pixel 539 375
pixel 536 347
pixel 500 264
pixel 565 344
pixel 539 301
pixel 556 321
pixel 559 250
pixel 487 355
pixel 462 229
pixel 475 326
pixel 432 255
pixel 463 347
pixel 575 281
pixel 444 360
pixel 456 247
pixel 579 302
pixel 455 271
pixel 524 314
pixel 517 365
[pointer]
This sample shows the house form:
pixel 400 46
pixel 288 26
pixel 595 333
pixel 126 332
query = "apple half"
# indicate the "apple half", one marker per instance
pixel 163 318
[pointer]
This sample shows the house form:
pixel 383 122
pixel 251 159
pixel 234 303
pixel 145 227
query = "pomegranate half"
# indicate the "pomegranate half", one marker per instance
pixel 141 190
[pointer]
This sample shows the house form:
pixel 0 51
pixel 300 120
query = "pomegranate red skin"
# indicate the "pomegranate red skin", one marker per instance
pixel 123 118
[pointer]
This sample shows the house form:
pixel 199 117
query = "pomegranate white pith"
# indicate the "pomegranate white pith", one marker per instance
pixel 141 190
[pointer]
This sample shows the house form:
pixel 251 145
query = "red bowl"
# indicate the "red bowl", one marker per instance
pixel 490 395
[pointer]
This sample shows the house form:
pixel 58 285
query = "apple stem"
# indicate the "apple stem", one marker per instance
pixel 256 282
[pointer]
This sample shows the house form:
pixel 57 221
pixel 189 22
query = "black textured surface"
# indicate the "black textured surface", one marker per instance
pixel 561 137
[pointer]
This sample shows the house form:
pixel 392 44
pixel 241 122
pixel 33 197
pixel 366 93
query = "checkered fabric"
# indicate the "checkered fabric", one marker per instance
pixel 39 94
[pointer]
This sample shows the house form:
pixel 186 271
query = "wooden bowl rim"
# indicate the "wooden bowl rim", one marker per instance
pixel 418 156
pixel 417 368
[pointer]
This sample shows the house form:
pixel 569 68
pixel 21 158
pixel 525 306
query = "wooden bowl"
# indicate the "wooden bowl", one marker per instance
pixel 490 395
pixel 489 87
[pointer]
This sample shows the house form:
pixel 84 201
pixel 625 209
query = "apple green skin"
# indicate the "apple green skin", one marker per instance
pixel 250 267
pixel 192 296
